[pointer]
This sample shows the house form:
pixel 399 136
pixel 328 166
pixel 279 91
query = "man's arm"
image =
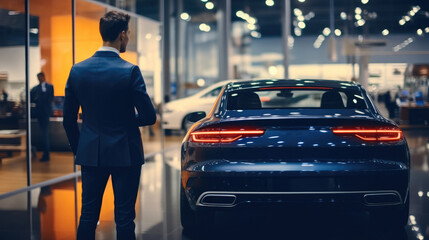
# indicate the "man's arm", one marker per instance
pixel 146 112
pixel 70 111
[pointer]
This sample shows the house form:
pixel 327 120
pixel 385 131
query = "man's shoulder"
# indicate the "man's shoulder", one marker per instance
pixel 115 61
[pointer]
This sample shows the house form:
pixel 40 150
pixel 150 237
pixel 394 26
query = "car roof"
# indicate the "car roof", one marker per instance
pixel 234 86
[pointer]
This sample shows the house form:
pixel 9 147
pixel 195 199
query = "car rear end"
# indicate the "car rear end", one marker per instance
pixel 315 143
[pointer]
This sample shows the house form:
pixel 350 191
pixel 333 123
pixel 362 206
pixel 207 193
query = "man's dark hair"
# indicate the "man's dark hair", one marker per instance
pixel 40 74
pixel 113 23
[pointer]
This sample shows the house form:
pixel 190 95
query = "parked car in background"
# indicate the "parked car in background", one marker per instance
pixel 175 112
pixel 292 142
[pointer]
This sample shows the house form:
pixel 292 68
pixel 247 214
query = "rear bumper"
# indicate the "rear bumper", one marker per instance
pixel 365 184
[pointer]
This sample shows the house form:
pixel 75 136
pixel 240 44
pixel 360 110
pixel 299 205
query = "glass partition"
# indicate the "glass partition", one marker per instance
pixel 50 61
pixel 13 123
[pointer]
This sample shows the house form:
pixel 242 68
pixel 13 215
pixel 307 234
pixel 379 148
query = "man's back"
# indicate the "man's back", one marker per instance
pixel 107 88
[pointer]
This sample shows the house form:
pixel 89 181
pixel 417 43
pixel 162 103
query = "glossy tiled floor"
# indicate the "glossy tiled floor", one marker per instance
pixel 53 210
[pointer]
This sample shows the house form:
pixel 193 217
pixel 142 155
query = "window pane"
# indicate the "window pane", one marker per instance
pixel 13 157
pixel 52 55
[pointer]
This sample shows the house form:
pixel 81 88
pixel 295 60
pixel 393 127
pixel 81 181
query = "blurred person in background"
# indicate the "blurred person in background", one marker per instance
pixel 42 96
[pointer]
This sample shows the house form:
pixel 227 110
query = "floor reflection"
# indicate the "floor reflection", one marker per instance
pixel 158 217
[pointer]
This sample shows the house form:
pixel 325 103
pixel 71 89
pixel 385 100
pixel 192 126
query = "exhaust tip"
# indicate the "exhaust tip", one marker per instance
pixel 218 199
pixel 382 199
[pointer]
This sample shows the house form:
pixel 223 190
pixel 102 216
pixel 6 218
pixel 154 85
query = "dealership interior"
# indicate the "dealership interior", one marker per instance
pixel 187 51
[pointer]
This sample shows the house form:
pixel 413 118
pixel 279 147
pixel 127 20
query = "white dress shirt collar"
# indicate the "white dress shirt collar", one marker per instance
pixel 43 84
pixel 111 49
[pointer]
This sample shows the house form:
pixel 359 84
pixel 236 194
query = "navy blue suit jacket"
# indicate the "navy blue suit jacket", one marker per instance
pixel 109 90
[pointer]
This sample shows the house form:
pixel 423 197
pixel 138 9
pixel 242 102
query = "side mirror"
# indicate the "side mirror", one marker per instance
pixel 195 116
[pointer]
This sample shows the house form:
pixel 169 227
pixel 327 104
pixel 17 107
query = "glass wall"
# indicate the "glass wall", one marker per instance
pixel 53 56
pixel 53 52
pixel 13 123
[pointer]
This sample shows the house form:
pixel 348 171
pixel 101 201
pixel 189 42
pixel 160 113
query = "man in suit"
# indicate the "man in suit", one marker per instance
pixel 42 95
pixel 109 90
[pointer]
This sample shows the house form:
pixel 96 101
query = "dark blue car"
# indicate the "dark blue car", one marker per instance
pixel 288 142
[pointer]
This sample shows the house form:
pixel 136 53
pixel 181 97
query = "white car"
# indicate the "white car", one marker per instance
pixel 175 112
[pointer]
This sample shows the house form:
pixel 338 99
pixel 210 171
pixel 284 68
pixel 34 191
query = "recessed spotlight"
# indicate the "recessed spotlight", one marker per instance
pixel 184 16
pixel 364 1
pixel 385 32
pixel 337 32
pixel 297 12
pixel 326 31
pixel 300 18
pixel 343 15
pixel 401 22
pixel 209 5
pixel 419 32
pixel 358 10
pixel 301 1
pixel 269 3
pixel 301 25
pixel 297 32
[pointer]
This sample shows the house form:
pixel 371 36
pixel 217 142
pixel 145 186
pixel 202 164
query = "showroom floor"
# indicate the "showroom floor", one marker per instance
pixel 53 210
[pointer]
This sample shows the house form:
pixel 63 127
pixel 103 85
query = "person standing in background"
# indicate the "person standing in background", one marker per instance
pixel 43 95
pixel 108 89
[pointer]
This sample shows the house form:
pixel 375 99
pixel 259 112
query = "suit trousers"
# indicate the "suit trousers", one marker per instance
pixel 125 182
pixel 44 129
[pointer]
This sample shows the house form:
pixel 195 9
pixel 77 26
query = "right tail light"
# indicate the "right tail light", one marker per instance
pixel 375 134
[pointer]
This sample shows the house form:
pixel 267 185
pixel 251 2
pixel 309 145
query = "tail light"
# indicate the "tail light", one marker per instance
pixel 224 135
pixel 371 134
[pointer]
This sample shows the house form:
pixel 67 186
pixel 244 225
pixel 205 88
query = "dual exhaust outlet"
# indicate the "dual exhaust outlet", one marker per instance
pixel 230 199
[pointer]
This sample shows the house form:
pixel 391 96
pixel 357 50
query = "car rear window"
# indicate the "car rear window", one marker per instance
pixel 290 97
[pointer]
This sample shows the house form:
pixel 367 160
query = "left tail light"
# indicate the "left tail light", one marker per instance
pixel 379 134
pixel 224 135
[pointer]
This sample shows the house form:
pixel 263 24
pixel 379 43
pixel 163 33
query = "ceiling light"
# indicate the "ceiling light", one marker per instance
pixel 209 5
pixel 255 34
pixel 300 18
pixel 301 25
pixel 251 20
pixel 297 12
pixel 385 32
pixel 358 17
pixel 364 1
pixel 337 32
pixel 251 26
pixel 343 15
pixel 269 3
pixel 358 10
pixel 204 27
pixel 401 22
pixel 184 16
pixel 427 30
pixel 204 0
pixel 201 82
pixel 326 31
pixel 301 1
pixel 416 8
pixel 407 18
pixel 239 14
pixel 148 36
pixel 360 23
pixel 419 32
pixel 412 13
pixel 297 32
